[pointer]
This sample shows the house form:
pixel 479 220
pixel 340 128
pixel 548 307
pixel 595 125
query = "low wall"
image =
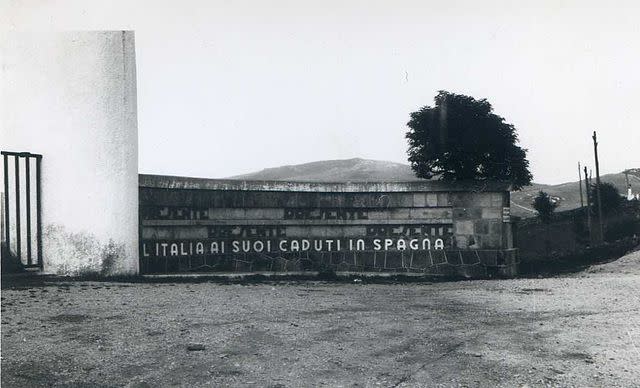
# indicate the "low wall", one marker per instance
pixel 567 233
pixel 190 224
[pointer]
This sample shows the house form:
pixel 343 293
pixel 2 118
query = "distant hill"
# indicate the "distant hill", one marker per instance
pixel 343 170
pixel 358 169
pixel 567 193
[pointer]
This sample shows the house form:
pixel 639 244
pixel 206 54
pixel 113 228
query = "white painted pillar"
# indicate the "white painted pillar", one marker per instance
pixel 72 98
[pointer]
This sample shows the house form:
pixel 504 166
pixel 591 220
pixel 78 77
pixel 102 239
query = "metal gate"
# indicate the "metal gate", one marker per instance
pixel 21 185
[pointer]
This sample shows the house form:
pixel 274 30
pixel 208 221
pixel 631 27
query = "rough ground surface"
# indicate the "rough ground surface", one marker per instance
pixel 576 330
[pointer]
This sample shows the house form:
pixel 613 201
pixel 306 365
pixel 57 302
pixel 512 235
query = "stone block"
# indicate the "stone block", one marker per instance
pixel 297 231
pixel 475 242
pixel 498 199
pixel 345 231
pixel 329 200
pixel 419 200
pixel 156 233
pixel 459 200
pixel 492 213
pixel 491 241
pixel 190 233
pixel 227 214
pixel 429 214
pixel 467 213
pixel 400 199
pixel 481 199
pixel 399 214
pixel 443 199
pixel 461 241
pixel 481 227
pixel 318 231
pixel 463 227
pixel 264 214
pixel 495 227
pixel 470 199
pixel 432 199
pixel 231 199
pixel 378 215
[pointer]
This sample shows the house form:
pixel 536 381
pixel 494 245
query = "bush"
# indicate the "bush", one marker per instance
pixel 621 228
pixel 609 197
pixel 545 206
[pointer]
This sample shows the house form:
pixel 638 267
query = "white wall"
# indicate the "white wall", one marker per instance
pixel 72 98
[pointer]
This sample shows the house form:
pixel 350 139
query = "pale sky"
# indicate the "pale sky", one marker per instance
pixel 230 87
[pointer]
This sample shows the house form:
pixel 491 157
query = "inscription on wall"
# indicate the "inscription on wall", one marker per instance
pixel 220 247
pixel 225 239
pixel 325 214
pixel 174 213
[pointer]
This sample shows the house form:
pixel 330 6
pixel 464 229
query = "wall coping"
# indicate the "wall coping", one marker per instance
pixel 180 182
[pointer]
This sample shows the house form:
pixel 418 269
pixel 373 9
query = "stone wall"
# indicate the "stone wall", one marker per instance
pixel 193 224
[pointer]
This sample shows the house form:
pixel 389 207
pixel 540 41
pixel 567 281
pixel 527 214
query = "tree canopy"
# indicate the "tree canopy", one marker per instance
pixel 609 197
pixel 544 205
pixel 460 138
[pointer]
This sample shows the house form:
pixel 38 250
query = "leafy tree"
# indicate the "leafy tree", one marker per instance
pixel 460 138
pixel 544 205
pixel 609 197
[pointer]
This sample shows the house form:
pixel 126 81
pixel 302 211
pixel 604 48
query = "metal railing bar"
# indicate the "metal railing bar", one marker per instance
pixel 22 154
pixel 27 172
pixel 18 239
pixel 6 203
pixel 38 211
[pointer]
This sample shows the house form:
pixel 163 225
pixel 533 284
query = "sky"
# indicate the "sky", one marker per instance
pixel 231 87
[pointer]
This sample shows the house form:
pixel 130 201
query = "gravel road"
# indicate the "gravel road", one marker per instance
pixel 577 330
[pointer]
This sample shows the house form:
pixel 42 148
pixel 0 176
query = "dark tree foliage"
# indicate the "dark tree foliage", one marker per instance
pixel 610 198
pixel 544 206
pixel 460 138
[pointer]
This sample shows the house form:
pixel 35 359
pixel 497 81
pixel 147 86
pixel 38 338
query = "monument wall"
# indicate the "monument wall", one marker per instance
pixel 190 224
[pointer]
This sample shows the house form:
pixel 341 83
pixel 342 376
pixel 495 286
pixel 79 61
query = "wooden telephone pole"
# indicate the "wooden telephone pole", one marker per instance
pixel 586 188
pixel 595 152
pixel 580 185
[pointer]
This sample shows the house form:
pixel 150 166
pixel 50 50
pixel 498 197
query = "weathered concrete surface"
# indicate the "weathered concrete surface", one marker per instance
pixel 179 182
pixel 72 98
pixel 581 330
pixel 194 224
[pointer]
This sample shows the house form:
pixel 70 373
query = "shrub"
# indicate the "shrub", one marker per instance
pixel 545 206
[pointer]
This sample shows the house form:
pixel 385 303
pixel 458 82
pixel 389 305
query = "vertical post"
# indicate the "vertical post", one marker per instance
pixel 27 173
pixel 6 202
pixel 141 267
pixel 587 190
pixel 580 185
pixel 39 210
pixel 18 239
pixel 595 151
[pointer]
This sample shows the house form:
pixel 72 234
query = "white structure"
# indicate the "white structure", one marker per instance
pixel 72 98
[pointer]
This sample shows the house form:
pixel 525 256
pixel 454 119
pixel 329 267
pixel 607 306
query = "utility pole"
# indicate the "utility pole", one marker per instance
pixel 595 152
pixel 580 185
pixel 586 187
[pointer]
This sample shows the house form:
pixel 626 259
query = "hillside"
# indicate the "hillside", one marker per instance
pixel 358 169
pixel 343 170
pixel 568 193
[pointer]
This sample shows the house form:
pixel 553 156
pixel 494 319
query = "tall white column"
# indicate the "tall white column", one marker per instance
pixel 72 98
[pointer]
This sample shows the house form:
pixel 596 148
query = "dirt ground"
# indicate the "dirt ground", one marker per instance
pixel 578 330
